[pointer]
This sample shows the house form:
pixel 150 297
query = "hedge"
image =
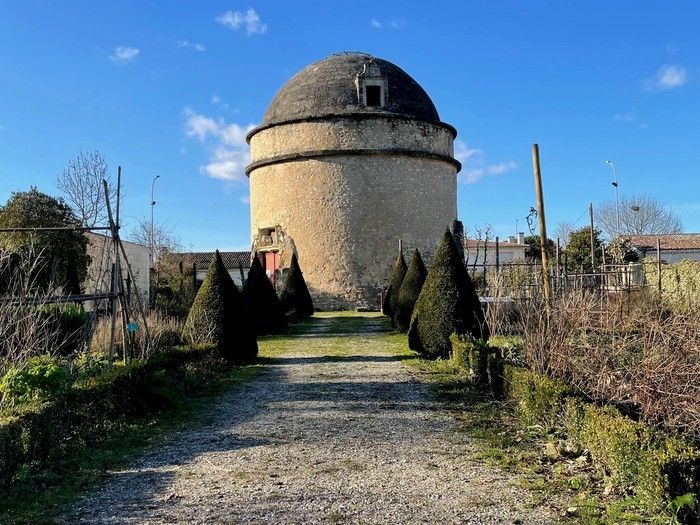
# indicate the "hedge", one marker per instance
pixel 652 463
pixel 36 433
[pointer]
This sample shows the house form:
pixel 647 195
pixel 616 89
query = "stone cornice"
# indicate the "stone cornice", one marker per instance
pixel 308 155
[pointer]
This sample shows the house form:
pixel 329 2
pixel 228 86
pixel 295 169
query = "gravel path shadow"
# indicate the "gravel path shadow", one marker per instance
pixel 333 430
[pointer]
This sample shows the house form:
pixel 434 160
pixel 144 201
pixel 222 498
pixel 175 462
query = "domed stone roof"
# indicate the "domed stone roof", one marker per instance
pixel 330 87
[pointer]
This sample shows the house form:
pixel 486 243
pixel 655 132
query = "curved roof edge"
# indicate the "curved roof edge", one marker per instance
pixel 352 116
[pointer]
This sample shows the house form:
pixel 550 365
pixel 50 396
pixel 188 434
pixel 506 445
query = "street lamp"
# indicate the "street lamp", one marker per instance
pixel 153 203
pixel 617 196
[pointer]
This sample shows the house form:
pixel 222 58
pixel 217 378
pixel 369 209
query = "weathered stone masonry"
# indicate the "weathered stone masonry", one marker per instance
pixel 343 182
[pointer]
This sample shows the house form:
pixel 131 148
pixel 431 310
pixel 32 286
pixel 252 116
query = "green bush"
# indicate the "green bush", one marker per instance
pixel 218 317
pixel 447 303
pixel 408 292
pixel 261 302
pixel 661 469
pixel 540 400
pixel 41 378
pixel 68 323
pixel 295 297
pixel 89 408
pixel 395 279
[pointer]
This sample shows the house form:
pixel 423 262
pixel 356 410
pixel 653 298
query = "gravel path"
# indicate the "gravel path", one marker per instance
pixel 335 430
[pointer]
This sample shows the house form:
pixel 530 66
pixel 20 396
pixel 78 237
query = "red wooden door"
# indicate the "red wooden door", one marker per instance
pixel 271 263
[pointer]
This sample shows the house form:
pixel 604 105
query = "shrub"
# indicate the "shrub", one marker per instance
pixel 217 317
pixel 447 303
pixel 395 280
pixel 69 322
pixel 409 291
pixel 659 467
pixel 41 378
pixel 261 302
pixel 92 405
pixel 295 297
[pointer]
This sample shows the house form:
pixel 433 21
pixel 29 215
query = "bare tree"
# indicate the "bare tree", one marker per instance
pixel 639 215
pixel 563 232
pixel 81 182
pixel 159 237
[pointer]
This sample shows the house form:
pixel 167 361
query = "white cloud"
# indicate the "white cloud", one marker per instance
pixel 474 166
pixel 667 77
pixel 124 54
pixel 245 199
pixel 235 20
pixel 186 44
pixel 394 24
pixel 228 150
pixel 215 99
pixel 624 117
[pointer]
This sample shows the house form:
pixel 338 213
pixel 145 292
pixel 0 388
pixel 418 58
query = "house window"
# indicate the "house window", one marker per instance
pixel 373 96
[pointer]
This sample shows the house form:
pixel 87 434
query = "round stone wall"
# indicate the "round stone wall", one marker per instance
pixel 344 192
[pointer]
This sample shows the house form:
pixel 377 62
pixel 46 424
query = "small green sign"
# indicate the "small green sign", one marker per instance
pixel 132 327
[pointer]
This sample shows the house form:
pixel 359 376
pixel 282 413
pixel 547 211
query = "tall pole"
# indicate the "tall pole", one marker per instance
pixel 590 215
pixel 542 221
pixel 153 203
pixel 617 195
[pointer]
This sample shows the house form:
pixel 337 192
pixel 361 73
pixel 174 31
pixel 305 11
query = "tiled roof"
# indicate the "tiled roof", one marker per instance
pixel 670 241
pixel 203 259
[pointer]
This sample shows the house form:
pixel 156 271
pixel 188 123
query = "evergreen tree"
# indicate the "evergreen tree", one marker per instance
pixel 395 280
pixel 295 297
pixel 578 251
pixel 261 302
pixel 409 292
pixel 218 317
pixel 63 252
pixel 447 303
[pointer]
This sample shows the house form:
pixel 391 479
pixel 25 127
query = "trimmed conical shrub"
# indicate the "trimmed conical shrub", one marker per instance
pixel 409 291
pixel 261 302
pixel 295 297
pixel 447 303
pixel 395 280
pixel 217 317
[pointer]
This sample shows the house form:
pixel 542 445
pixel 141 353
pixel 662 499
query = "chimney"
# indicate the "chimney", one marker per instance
pixel 521 238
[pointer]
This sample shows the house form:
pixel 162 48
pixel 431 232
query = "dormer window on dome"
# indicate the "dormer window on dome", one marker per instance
pixel 371 86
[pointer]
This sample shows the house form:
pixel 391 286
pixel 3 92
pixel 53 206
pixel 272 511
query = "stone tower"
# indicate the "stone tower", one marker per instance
pixel 350 158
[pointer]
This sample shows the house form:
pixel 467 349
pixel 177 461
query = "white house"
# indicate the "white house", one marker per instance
pixel 674 246
pixel 101 252
pixel 480 253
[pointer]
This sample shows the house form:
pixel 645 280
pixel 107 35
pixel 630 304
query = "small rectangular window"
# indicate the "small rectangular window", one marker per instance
pixel 373 95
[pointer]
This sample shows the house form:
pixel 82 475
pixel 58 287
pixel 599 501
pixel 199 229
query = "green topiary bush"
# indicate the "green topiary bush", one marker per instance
pixel 395 280
pixel 218 317
pixel 408 292
pixel 261 302
pixel 295 297
pixel 447 303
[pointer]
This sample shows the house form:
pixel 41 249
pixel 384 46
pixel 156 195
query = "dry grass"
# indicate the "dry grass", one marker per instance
pixel 165 332
pixel 632 350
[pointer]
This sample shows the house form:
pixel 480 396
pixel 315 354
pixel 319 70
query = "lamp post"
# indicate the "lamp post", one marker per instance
pixel 617 196
pixel 153 203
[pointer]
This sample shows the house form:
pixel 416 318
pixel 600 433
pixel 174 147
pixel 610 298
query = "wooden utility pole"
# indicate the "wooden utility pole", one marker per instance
pixel 590 215
pixel 542 221
pixel 658 263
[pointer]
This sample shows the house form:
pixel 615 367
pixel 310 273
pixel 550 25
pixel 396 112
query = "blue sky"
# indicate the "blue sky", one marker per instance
pixel 170 88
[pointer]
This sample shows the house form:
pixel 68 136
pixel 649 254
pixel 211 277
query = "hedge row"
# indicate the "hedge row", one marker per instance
pixel 36 433
pixel 658 467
